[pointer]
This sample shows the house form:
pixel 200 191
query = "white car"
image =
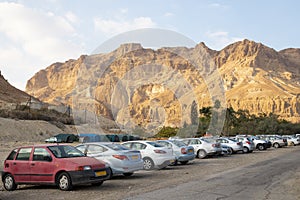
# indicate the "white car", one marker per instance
pixel 203 147
pixel 181 151
pixel 292 140
pixel 154 155
pixel 248 144
pixel 120 159
pixel 233 144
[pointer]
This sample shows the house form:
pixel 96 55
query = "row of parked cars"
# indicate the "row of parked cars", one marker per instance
pixel 64 165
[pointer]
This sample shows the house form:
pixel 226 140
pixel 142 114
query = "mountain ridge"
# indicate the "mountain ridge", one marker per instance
pixel 256 77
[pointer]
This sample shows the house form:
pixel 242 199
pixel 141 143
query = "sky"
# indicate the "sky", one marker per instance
pixel 37 33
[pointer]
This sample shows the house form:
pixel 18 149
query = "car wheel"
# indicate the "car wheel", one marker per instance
pixel 64 182
pixel 276 145
pixel 230 151
pixel 293 144
pixel 148 164
pixel 260 147
pixel 201 154
pixel 184 162
pixel 9 182
pixel 128 174
pixel 245 150
pixel 98 183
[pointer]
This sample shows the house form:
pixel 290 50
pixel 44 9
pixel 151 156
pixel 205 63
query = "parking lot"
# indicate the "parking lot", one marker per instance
pixel 174 180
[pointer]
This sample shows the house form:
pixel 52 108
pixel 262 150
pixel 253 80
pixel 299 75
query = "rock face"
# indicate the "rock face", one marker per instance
pixel 137 86
pixel 10 94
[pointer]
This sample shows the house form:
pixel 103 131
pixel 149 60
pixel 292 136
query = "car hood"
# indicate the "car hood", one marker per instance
pixel 82 161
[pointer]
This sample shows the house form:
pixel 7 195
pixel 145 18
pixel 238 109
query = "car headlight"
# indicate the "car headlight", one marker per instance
pixel 87 168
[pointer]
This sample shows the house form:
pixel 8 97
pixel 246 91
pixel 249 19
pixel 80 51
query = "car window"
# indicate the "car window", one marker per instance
pixel 93 149
pixel 138 146
pixel 193 142
pixel 65 151
pixel 81 148
pixel 41 154
pixel 12 154
pixel 164 143
pixel 178 143
pixel 117 147
pixel 155 144
pixel 24 154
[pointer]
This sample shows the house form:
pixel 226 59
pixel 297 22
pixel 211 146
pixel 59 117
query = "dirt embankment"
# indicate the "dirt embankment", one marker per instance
pixel 12 130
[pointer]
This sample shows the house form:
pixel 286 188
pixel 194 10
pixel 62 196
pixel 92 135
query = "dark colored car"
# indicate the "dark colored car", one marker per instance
pixel 61 165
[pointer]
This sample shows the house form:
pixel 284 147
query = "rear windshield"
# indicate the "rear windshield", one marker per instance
pixel 155 144
pixel 65 151
pixel 178 143
pixel 116 147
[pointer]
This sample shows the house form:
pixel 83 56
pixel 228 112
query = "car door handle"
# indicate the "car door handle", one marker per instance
pixel 14 163
pixel 32 164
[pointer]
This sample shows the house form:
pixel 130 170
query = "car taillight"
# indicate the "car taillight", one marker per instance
pixel 215 145
pixel 183 150
pixel 159 151
pixel 248 142
pixel 120 157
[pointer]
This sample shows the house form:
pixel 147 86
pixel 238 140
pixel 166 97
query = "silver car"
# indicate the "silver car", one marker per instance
pixel 181 151
pixel 121 159
pixel 233 144
pixel 248 144
pixel 203 147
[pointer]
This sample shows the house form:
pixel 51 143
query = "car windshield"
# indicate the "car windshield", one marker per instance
pixel 65 151
pixel 178 143
pixel 116 147
pixel 232 140
pixel 155 144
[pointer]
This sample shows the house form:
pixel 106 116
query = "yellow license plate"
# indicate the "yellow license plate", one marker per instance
pixel 191 150
pixel 135 157
pixel 101 173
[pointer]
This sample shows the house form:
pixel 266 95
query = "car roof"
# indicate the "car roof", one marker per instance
pixel 43 145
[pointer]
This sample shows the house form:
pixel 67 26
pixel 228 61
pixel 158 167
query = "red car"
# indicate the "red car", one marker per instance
pixel 61 165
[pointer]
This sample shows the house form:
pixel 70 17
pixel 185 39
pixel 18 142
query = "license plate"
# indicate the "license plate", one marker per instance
pixel 190 150
pixel 100 173
pixel 135 157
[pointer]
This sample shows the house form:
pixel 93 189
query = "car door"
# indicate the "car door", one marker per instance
pixel 42 166
pixel 98 152
pixel 20 167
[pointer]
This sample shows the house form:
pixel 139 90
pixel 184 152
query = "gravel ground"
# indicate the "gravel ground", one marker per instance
pixel 120 187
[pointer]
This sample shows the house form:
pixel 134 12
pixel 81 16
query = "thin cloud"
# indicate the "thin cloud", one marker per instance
pixel 220 39
pixel 169 14
pixel 113 27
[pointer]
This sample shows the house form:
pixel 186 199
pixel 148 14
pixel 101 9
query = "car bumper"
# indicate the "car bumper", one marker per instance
pixel 127 167
pixel 89 176
pixel 164 162
pixel 185 157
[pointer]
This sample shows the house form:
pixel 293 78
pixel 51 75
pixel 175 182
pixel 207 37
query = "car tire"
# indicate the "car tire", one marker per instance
pixel 246 150
pixel 201 154
pixel 9 182
pixel 148 164
pixel 128 174
pixel 98 183
pixel 261 147
pixel 184 162
pixel 293 144
pixel 64 181
pixel 276 145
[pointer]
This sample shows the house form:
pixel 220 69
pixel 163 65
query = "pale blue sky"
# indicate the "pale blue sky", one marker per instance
pixel 37 33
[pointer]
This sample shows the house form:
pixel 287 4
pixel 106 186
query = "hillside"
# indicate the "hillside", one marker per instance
pixel 10 94
pixel 138 86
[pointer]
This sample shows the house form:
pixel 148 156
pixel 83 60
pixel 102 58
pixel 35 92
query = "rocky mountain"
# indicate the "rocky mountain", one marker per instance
pixel 140 86
pixel 10 94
